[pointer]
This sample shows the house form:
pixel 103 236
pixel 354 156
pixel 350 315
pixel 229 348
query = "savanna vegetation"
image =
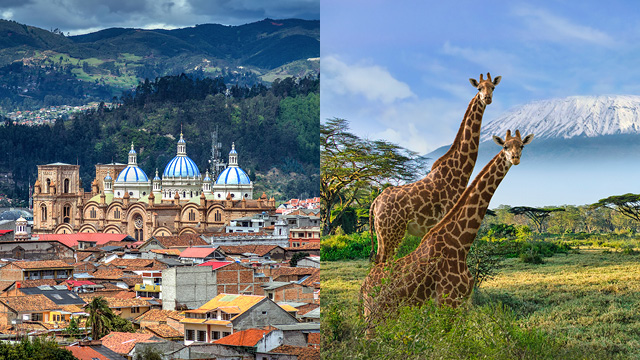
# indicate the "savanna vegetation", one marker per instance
pixel 551 283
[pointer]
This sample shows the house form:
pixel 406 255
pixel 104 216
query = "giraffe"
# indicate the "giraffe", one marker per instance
pixel 418 206
pixel 437 268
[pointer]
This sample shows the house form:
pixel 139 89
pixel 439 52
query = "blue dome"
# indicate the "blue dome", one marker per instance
pixel 181 166
pixel 233 176
pixel 108 177
pixel 132 173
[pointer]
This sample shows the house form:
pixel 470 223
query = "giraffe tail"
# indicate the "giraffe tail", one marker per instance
pixel 372 254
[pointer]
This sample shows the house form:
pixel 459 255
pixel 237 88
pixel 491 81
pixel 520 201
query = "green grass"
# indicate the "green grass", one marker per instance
pixel 583 304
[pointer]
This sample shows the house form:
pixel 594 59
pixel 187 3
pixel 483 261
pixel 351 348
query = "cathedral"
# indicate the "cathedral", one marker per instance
pixel 181 202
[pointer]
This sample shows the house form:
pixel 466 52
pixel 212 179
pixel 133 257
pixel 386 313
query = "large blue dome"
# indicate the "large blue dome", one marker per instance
pixel 132 173
pixel 181 166
pixel 233 176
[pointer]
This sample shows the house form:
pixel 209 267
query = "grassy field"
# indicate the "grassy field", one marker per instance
pixel 587 301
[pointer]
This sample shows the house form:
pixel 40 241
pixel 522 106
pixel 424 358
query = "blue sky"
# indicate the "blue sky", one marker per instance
pixel 398 70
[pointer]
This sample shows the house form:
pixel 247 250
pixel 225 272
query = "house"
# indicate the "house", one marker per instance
pixel 309 261
pixel 192 286
pixel 251 224
pixel 34 270
pixel 299 236
pixel 309 248
pixel 123 343
pixel 128 308
pixel 289 291
pixel 67 301
pixel 198 255
pixel 287 352
pixel 228 313
pixel 266 252
pixel 90 353
pixel 162 323
pixel 254 339
pixel 180 242
pixel 287 274
pixel 34 250
pixel 26 308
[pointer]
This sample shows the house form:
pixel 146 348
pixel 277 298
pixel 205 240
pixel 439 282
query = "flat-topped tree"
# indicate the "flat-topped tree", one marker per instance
pixel 537 215
pixel 627 205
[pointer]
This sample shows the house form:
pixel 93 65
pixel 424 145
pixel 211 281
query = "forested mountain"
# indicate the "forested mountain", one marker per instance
pixel 275 130
pixel 34 62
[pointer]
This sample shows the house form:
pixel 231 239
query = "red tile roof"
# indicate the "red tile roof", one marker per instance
pixel 195 252
pixel 36 283
pixel 122 342
pixel 249 337
pixel 80 282
pixel 184 240
pixel 164 331
pixel 260 250
pixel 132 262
pixel 85 353
pixel 303 353
pixel 71 240
pixel 216 264
pixel 43 264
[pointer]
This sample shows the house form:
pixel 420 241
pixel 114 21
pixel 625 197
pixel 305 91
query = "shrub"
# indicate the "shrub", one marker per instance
pixel 531 256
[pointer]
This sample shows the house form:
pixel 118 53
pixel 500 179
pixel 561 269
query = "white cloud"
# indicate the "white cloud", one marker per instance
pixel 373 82
pixel 547 26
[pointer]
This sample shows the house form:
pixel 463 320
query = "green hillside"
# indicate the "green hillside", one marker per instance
pixel 103 64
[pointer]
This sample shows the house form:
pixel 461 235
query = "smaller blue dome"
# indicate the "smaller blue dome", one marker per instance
pixel 132 173
pixel 108 177
pixel 207 178
pixel 233 176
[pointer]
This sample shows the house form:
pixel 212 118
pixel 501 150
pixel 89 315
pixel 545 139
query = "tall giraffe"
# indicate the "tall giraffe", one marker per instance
pixel 418 206
pixel 438 268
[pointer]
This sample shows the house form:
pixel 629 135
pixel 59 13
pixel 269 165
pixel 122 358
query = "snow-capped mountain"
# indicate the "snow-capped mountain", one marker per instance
pixel 569 117
pixel 585 148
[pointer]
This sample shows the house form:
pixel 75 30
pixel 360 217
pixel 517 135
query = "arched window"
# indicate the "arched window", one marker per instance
pixel 192 215
pixel 66 214
pixel 217 216
pixel 116 214
pixel 184 194
pixel 66 186
pixel 92 213
pixel 47 189
pixel 43 213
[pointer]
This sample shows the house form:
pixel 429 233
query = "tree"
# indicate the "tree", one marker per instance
pixel 297 257
pixel 627 205
pixel 36 349
pixel 72 329
pixel 537 215
pixel 350 165
pixel 121 324
pixel 100 317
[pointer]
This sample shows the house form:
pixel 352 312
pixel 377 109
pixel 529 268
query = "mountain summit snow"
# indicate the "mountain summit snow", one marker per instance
pixel 574 116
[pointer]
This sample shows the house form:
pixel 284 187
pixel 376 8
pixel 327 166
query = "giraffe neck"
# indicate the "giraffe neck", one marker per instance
pixel 470 208
pixel 465 145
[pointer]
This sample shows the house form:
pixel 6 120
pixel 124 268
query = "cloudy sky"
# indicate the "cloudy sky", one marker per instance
pixel 399 70
pixel 83 16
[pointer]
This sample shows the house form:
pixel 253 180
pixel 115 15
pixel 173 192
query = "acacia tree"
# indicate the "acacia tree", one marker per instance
pixel 350 165
pixel 627 205
pixel 537 215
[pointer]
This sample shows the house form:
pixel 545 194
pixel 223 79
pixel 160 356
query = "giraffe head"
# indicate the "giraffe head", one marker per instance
pixel 513 145
pixel 485 87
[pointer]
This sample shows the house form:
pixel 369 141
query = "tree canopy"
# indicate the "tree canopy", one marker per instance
pixel 627 205
pixel 537 215
pixel 349 165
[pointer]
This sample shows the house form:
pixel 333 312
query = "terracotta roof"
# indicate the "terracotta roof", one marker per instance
pixel 307 246
pixel 175 252
pixel 80 282
pixel 164 331
pixel 125 294
pixel 303 353
pixel 71 240
pixel 286 270
pixel 306 308
pixel 249 337
pixel 313 280
pixel 216 264
pixel 122 342
pixel 81 255
pixel 36 283
pixel 122 303
pixel 185 240
pixel 132 262
pixel 29 303
pixel 112 274
pixel 132 280
pixel 260 250
pixel 313 339
pixel 43 264
pixel 241 234
pixel 196 252
pixel 4 284
pixel 158 315
pixel 85 353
